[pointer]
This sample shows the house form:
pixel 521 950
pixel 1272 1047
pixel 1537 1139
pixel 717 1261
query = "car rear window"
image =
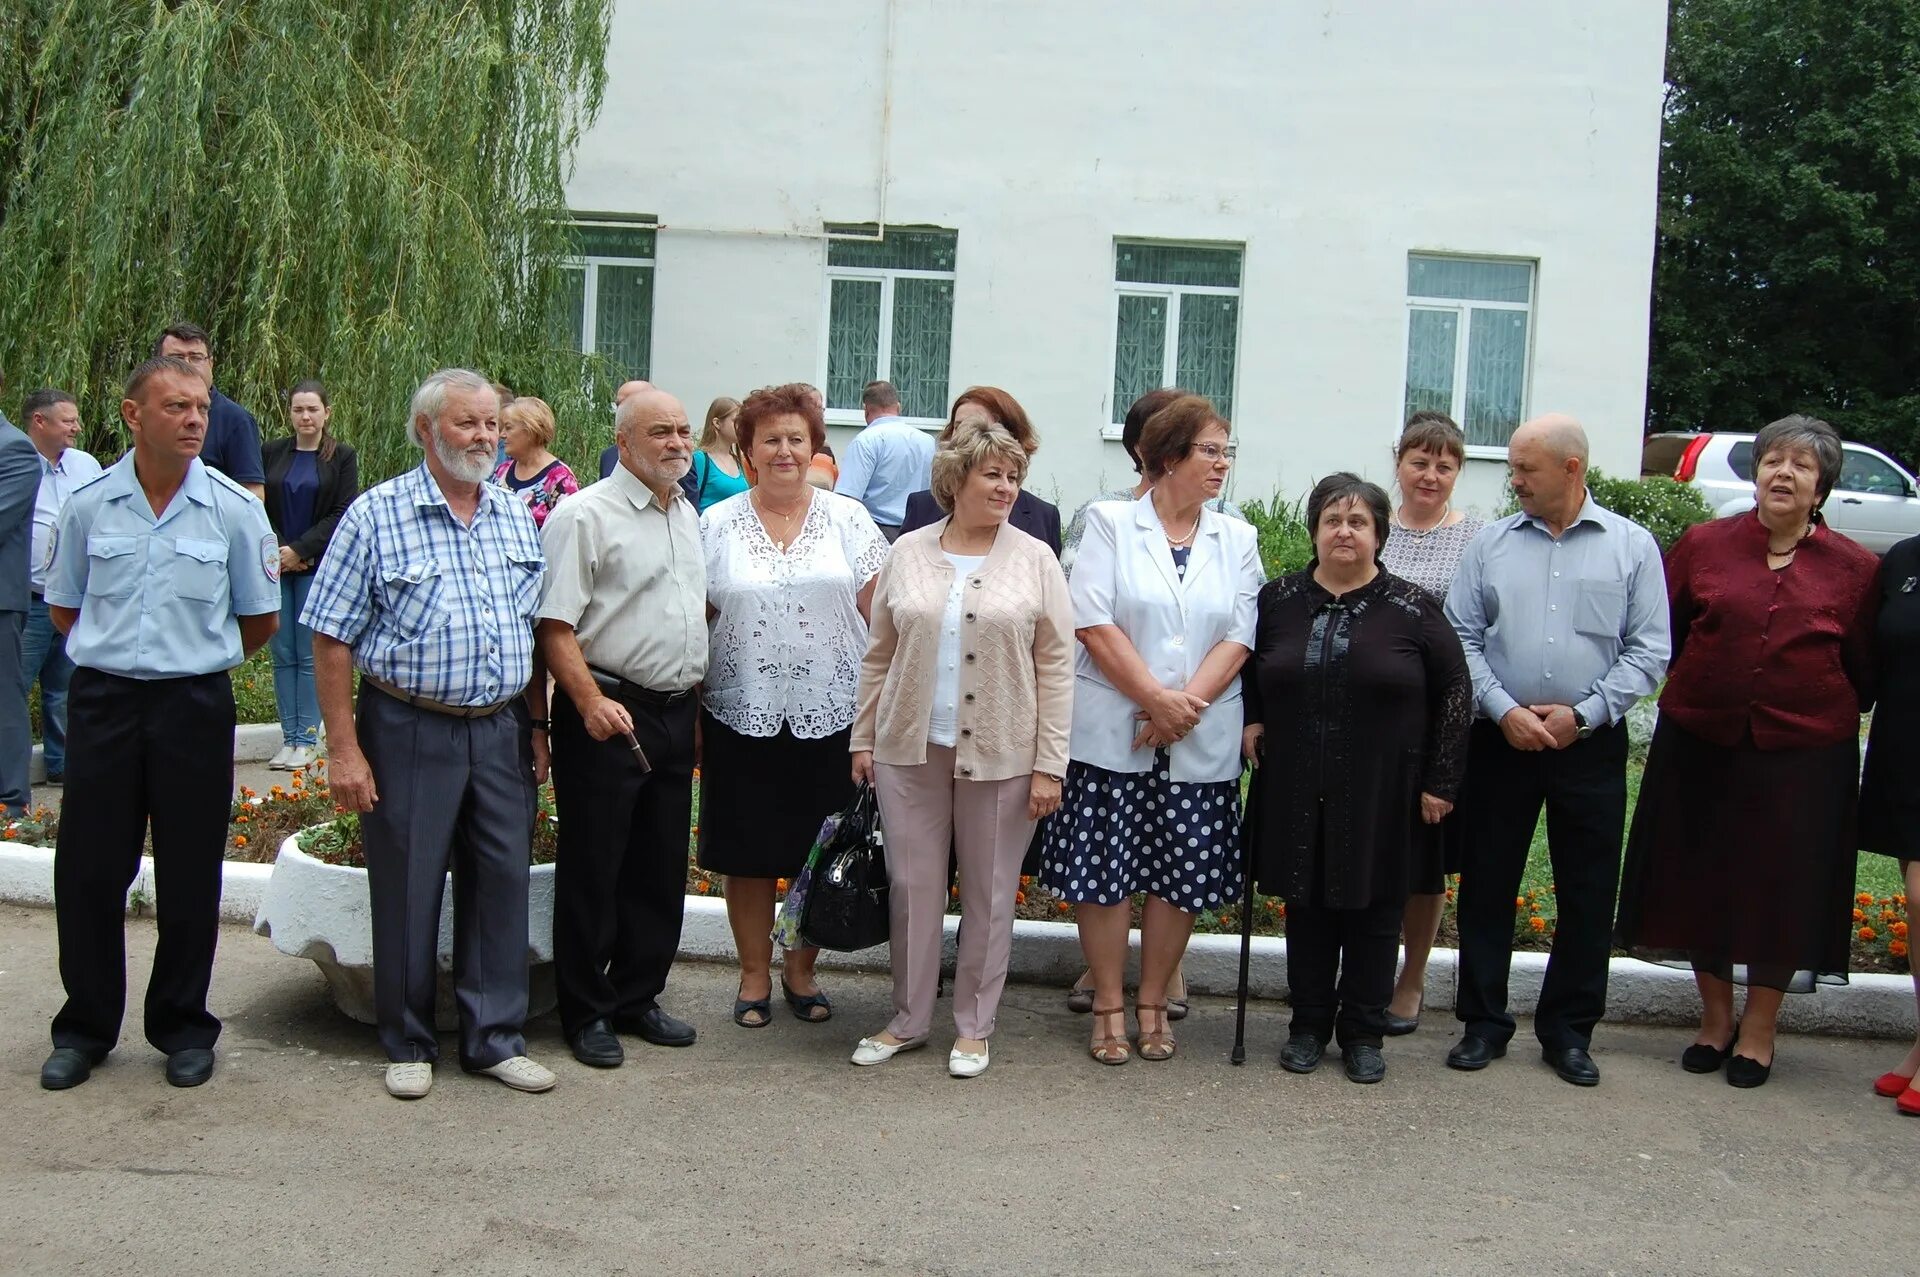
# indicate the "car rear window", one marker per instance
pixel 1740 459
pixel 1661 453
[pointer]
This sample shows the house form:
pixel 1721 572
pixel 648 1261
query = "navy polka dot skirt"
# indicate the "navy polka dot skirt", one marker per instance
pixel 1120 833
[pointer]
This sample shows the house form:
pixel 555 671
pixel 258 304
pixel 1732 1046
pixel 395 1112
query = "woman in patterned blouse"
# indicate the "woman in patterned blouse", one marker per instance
pixel 531 472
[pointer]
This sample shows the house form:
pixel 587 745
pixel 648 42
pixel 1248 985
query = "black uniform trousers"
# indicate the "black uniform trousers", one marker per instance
pixel 141 750
pixel 1359 946
pixel 453 793
pixel 1584 790
pixel 620 878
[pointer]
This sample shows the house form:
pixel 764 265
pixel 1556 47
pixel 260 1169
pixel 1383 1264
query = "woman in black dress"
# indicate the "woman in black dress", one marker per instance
pixel 1366 690
pixel 1889 794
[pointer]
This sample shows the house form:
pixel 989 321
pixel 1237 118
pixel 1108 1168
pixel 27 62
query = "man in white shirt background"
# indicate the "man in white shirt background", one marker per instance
pixel 53 423
pixel 887 460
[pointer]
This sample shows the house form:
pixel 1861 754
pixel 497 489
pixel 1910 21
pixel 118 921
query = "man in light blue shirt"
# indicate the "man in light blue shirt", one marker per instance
pixel 1562 610
pixel 165 575
pixel 887 461
pixel 53 423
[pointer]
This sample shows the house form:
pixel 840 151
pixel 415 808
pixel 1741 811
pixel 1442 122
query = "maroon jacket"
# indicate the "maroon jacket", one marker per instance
pixel 1787 655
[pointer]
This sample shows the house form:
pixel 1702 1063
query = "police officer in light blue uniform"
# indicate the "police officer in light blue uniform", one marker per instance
pixel 165 575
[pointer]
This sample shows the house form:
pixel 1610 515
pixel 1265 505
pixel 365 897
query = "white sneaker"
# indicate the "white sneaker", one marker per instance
pixel 279 761
pixel 522 1074
pixel 967 1063
pixel 410 1080
pixel 874 1051
pixel 298 757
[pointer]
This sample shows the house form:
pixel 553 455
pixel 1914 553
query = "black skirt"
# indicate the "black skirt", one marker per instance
pixel 763 798
pixel 1890 785
pixel 1740 863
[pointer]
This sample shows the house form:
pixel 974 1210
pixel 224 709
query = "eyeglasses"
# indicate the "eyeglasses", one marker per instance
pixel 194 357
pixel 1215 451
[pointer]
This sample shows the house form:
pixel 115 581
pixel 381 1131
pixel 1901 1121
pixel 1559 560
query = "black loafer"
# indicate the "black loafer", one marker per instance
pixel 1364 1063
pixel 1701 1058
pixel 1747 1073
pixel 1573 1064
pixel 190 1067
pixel 1471 1054
pixel 1302 1053
pixel 1398 1026
pixel 659 1028
pixel 67 1067
pixel 597 1048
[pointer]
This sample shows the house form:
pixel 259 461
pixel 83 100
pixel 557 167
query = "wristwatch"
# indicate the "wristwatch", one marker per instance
pixel 1582 728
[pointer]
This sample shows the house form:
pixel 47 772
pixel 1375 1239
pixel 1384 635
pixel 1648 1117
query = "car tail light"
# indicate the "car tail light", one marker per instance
pixel 1683 472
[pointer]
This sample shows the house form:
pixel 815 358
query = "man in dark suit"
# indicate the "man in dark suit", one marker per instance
pixel 19 485
pixel 1036 518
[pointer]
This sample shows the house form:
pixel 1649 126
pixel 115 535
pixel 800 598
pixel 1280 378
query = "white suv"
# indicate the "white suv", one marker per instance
pixel 1874 501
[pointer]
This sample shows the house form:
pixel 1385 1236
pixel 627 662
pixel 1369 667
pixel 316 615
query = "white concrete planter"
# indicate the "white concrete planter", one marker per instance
pixel 315 910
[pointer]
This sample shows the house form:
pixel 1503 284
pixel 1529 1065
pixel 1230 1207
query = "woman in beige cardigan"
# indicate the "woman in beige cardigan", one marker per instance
pixel 966 704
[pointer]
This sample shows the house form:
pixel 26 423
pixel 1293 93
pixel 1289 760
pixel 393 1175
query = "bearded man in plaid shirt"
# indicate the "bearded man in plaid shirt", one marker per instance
pixel 429 589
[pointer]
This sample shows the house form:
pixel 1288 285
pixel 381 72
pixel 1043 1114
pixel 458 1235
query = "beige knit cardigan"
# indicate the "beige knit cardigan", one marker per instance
pixel 1015 712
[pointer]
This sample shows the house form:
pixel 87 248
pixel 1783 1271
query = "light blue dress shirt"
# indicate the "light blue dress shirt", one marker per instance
pixel 58 481
pixel 160 598
pixel 1577 620
pixel 437 607
pixel 885 463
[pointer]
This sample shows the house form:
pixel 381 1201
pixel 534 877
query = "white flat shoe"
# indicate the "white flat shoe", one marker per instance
pixel 278 762
pixel 874 1051
pixel 522 1074
pixel 298 757
pixel 410 1080
pixel 967 1063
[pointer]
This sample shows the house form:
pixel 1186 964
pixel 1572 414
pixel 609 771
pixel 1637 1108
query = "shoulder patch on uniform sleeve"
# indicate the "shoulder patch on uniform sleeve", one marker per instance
pixel 270 556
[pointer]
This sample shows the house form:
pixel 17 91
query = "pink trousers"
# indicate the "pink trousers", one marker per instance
pixel 924 811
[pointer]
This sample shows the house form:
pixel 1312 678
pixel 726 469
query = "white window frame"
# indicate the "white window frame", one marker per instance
pixel 1463 309
pixel 590 293
pixel 883 363
pixel 1170 356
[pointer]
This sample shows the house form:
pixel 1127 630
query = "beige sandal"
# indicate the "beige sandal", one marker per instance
pixel 1112 1048
pixel 1155 1044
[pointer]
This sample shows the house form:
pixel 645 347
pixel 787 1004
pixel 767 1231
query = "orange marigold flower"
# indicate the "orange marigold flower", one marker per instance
pixel 12 832
pixel 239 840
pixel 1859 915
pixel 1026 880
pixel 1519 902
pixel 242 819
pixel 1865 898
pixel 1537 923
pixel 1061 906
pixel 1019 897
pixel 1898 948
pixel 702 887
pixel 1867 933
pixel 1900 929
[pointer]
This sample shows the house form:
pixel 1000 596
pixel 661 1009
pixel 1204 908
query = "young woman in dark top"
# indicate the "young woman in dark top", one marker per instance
pixel 1889 790
pixel 311 479
pixel 1358 707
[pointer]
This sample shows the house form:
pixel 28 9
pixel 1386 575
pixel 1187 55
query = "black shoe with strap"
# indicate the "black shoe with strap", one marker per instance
pixel 803 1005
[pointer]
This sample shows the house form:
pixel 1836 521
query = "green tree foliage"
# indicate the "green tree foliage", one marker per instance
pixel 361 190
pixel 1787 272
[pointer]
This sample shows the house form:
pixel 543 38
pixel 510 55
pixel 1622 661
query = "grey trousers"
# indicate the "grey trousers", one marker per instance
pixel 453 791
pixel 16 731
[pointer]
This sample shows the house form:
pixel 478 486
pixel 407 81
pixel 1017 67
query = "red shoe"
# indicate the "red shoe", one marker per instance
pixel 1889 1085
pixel 1909 1102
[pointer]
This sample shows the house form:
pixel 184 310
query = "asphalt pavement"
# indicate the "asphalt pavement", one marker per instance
pixel 764 1151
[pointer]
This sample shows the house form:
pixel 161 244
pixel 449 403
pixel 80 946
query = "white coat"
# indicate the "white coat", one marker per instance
pixel 1125 577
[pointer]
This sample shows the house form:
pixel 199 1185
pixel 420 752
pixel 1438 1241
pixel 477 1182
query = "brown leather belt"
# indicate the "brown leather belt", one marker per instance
pixel 438 707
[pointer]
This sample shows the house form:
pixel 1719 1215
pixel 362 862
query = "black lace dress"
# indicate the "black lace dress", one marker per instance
pixel 1367 703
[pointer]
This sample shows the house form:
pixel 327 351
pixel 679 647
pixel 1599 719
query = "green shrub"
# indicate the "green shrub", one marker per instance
pixel 1286 545
pixel 1657 503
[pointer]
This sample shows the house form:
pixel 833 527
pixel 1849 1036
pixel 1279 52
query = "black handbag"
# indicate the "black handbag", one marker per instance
pixel 846 906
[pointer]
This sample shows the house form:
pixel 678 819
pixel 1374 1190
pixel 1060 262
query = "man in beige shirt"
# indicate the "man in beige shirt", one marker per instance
pixel 623 628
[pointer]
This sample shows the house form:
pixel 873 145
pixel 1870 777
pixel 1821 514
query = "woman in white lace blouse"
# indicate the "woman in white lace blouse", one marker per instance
pixel 790 572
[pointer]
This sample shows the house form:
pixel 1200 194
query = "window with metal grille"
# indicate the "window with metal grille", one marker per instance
pixel 1176 321
pixel 604 304
pixel 889 303
pixel 1471 314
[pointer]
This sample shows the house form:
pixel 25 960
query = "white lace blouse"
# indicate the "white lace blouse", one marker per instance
pixel 786 639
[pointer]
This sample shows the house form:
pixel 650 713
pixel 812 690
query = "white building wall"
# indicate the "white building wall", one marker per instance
pixel 1331 139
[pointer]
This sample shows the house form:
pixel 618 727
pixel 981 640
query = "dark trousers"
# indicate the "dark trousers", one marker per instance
pixel 620 879
pixel 1361 947
pixel 1584 789
pixel 156 750
pixel 452 792
pixel 16 732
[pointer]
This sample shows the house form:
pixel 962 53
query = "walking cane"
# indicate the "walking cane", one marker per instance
pixel 1249 832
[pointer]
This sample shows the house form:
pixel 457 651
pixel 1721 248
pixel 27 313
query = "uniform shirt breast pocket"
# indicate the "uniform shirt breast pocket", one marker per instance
pixel 200 569
pixel 1599 608
pixel 413 594
pixel 113 566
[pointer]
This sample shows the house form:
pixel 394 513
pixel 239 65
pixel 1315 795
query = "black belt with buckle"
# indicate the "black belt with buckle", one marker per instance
pixel 622 689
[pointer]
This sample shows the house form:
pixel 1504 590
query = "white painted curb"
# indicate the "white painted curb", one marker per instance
pixel 1870 1006
pixel 252 743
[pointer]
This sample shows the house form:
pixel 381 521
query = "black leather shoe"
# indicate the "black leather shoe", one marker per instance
pixel 1398 1026
pixel 67 1067
pixel 659 1028
pixel 1364 1063
pixel 597 1048
pixel 190 1067
pixel 1573 1064
pixel 1302 1053
pixel 1471 1054
pixel 1701 1058
pixel 1747 1073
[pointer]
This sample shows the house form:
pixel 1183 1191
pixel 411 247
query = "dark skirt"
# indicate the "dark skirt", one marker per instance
pixel 763 798
pixel 1438 851
pixel 1118 834
pixel 1890 784
pixel 1740 863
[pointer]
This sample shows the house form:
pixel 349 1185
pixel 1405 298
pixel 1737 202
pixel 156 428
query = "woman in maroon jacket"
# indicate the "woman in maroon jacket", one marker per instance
pixel 1740 863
